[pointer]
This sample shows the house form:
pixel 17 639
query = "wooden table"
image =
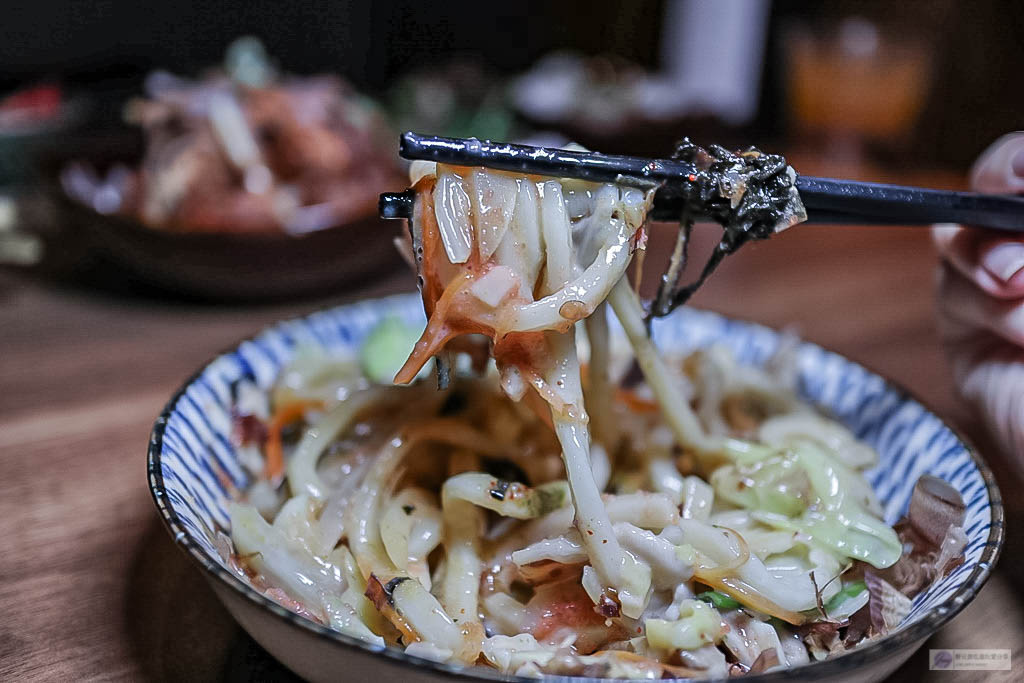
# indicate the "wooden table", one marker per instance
pixel 91 586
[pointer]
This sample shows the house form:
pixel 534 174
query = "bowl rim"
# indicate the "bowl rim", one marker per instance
pixel 878 650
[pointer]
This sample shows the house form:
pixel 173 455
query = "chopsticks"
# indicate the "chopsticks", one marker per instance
pixel 827 200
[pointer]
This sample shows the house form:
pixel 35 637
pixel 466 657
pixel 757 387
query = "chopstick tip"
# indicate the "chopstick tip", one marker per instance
pixel 395 204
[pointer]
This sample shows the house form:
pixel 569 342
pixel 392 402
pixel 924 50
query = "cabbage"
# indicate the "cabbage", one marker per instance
pixel 313 374
pixel 776 484
pixel 385 349
pixel 699 624
pixel 806 490
pixel 287 563
pixel 797 428
pixel 841 521
pixel 750 579
pixel 509 653
pixel 749 639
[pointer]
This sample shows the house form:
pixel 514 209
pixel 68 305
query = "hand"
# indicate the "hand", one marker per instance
pixel 981 303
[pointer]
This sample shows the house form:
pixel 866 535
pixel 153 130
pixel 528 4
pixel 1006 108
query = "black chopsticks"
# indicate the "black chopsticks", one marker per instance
pixel 827 200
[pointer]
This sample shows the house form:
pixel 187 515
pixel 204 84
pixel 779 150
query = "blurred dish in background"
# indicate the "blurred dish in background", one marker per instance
pixel 30 118
pixel 707 83
pixel 711 61
pixel 244 185
pixel 459 99
pixel 245 149
pixel 856 82
pixel 116 253
pixel 601 94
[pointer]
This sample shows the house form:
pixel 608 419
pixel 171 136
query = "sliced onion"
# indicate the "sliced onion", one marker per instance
pixel 451 207
pixel 493 197
pixel 420 169
pixel 494 285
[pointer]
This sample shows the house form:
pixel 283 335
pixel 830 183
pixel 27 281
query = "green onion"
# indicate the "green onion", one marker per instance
pixel 850 590
pixel 720 600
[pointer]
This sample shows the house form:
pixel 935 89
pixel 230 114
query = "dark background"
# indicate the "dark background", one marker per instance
pixel 978 46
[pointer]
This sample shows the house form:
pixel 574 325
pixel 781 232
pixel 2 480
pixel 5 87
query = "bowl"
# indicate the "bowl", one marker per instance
pixel 233 266
pixel 124 252
pixel 190 443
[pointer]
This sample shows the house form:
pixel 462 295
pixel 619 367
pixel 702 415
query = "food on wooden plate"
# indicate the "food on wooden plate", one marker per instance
pixel 547 511
pixel 246 149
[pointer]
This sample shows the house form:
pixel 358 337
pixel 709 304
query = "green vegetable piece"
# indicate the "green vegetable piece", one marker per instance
pixel 776 484
pixel 699 625
pixel 385 349
pixel 719 600
pixel 850 590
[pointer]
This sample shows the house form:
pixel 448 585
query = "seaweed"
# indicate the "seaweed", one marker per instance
pixel 751 194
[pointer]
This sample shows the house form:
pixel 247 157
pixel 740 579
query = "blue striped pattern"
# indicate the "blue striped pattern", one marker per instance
pixel 200 469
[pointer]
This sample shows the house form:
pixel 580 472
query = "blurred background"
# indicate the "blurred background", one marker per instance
pixel 147 148
pixel 173 176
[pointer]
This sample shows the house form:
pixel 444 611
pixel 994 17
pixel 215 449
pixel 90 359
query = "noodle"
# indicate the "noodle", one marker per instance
pixel 599 393
pixel 676 408
pixel 463 526
pixel 539 524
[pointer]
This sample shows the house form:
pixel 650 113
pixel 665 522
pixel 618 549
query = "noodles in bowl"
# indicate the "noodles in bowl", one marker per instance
pixel 551 512
pixel 197 471
pixel 359 528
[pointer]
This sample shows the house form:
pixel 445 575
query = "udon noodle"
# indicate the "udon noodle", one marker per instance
pixel 548 512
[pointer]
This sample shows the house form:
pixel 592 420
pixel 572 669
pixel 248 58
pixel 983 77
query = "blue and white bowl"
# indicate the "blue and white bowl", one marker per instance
pixel 190 451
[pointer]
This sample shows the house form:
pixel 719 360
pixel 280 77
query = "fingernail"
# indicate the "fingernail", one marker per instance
pixel 1018 163
pixel 1004 261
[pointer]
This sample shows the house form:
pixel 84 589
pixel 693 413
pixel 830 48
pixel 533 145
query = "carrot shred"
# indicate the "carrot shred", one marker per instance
pixel 636 403
pixel 273 451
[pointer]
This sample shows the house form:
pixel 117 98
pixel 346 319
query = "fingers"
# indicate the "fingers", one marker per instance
pixel 965 309
pixel 981 302
pixel 995 384
pixel 991 260
pixel 1000 168
pixel 988 368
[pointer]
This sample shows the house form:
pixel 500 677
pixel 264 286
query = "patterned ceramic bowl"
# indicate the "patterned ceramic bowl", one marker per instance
pixel 190 445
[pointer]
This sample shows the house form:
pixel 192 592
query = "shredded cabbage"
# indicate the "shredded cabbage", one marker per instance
pixel 699 624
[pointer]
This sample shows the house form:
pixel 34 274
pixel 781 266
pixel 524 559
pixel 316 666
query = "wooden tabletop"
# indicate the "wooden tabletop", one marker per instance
pixel 91 586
